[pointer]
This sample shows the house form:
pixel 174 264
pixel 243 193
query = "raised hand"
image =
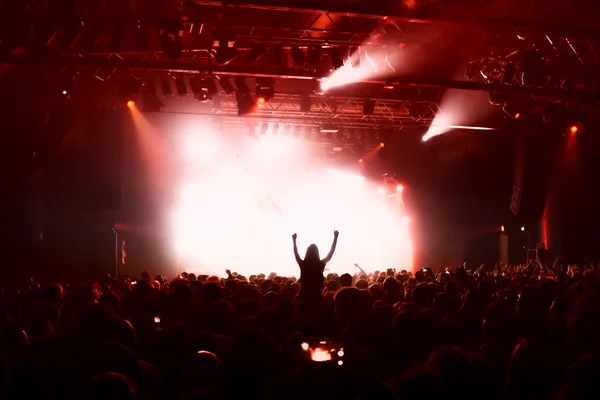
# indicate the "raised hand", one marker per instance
pixel 335 234
pixel 294 236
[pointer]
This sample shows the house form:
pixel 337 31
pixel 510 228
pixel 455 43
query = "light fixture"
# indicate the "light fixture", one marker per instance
pixel 241 85
pixel 277 57
pixel 338 55
pixel 224 43
pixel 314 55
pixel 368 107
pixel 258 49
pixel 329 128
pixel 180 86
pixel 298 56
pixel 265 89
pixel 497 99
pixel 129 87
pixel 355 57
pixel 170 39
pixel 243 97
pixel 204 88
pixel 522 229
pixel 141 36
pixel 150 100
pixel 226 85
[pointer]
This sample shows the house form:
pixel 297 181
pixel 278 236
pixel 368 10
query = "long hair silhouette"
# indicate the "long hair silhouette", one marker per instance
pixel 312 254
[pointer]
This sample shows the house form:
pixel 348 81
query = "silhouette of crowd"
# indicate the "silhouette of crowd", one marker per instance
pixel 501 332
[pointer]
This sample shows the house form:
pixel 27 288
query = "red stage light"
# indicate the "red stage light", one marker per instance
pixel 574 129
pixel 502 228
pixel 130 103
pixel 360 160
pixel 381 144
pixel 261 101
pixel 517 115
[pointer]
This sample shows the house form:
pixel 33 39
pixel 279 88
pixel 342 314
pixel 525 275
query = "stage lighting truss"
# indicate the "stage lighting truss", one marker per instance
pixel 345 111
pixel 525 59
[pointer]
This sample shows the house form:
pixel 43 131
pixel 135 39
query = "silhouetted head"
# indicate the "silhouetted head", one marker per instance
pixel 312 253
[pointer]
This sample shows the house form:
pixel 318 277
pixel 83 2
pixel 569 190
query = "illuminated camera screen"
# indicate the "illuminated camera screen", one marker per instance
pixel 323 351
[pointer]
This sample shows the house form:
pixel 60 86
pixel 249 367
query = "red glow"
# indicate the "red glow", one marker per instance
pixel 360 160
pixel 130 103
pixel 382 145
pixel 517 116
pixel 261 101
pixel 574 129
pixel 502 228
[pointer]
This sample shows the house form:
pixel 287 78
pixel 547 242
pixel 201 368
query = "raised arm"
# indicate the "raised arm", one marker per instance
pixel 335 237
pixel 298 259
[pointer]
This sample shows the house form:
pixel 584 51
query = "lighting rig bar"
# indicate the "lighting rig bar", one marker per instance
pixel 344 112
pixel 155 62
pixel 393 11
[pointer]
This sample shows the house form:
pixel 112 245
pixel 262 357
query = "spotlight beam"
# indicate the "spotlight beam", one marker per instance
pixel 249 71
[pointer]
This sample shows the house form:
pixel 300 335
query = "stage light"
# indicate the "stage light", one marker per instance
pixel 241 85
pixel 355 57
pixel 141 36
pixel 502 228
pixel 276 57
pixel 497 99
pixel 170 39
pixel 150 100
pixel 257 51
pixel 329 128
pixel 360 160
pixel 381 145
pixel 517 115
pixel 245 103
pixel 180 86
pixel 298 56
pixel 388 85
pixel 368 107
pixel 130 104
pixel 265 89
pixel 399 188
pixel 338 55
pixel 226 52
pixel 314 55
pixel 204 88
pixel 261 101
pixel 305 103
pixel 64 92
pixel 129 87
pixel 226 85
pixel 522 229
pixel 573 129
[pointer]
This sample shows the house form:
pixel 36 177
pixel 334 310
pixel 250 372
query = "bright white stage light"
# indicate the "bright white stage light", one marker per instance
pixel 239 212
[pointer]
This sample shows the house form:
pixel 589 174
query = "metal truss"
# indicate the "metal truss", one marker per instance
pixel 564 62
pixel 340 111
